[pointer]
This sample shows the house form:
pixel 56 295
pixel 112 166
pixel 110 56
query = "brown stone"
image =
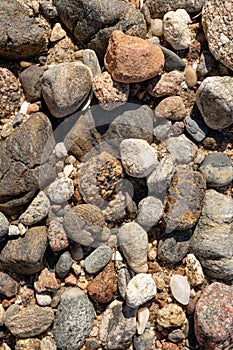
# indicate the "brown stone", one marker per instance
pixel 46 282
pixel 172 108
pixel 8 286
pixel 130 59
pixel 104 285
pixel 28 344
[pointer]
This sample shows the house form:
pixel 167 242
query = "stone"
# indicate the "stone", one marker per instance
pixel 140 289
pixel 180 288
pixel 171 315
pixel 8 286
pixel 43 299
pixel 118 325
pixel 24 166
pixel 13 231
pixel 138 157
pixel 48 343
pixel 27 344
pixel 157 27
pixel 47 282
pixel 104 286
pixel 22 36
pixel 193 270
pixel 217 27
pixel 170 84
pixel 123 278
pixel 176 30
pixel 25 255
pixel 2 313
pixel 28 322
pixel 215 301
pixel 217 169
pixel 74 319
pixel 172 108
pixel 190 76
pixel 214 99
pixel 212 239
pixel 4 226
pixel 97 259
pixel 36 211
pixel 176 336
pixel 130 59
pixel 172 61
pixel 185 200
pixel 65 87
pixel 30 78
pixel 144 341
pixel 181 149
pixel 57 33
pixel 64 264
pixel 61 190
pixel 133 242
pixel 60 150
pixel 142 319
pixel 150 211
pixel 57 237
pixel 10 93
pixel 207 65
pixel 196 129
pixel 158 7
pixel 90 59
pixel 162 129
pixel 110 94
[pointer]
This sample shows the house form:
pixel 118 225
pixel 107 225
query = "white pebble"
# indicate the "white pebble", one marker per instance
pixel 140 289
pixel 13 230
pixel 180 288
pixel 24 108
pixel 43 299
pixel 143 315
pixel 61 190
pixel 116 256
pixel 68 170
pixel 60 150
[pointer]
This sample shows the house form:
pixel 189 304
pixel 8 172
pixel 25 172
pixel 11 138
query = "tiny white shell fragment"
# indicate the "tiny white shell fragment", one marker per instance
pixel 180 288
pixel 143 315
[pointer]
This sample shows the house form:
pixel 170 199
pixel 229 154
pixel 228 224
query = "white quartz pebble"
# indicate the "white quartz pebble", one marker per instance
pixel 180 288
pixel 143 315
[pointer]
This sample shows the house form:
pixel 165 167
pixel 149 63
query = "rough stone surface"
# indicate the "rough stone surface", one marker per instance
pixel 171 315
pixel 97 259
pixel 185 200
pixel 133 242
pixel 150 210
pixel 65 87
pixel 169 84
pixel 196 129
pixel 30 79
pixel 4 226
pixel 74 319
pixel 118 325
pixel 37 210
pixel 27 344
pixel 8 286
pixel 172 61
pixel 160 7
pixel 215 301
pixel 173 247
pixel 193 270
pixel 123 278
pixel 217 25
pixel 64 264
pixel 211 242
pixel 47 282
pixel 147 62
pixel 61 190
pixel 57 237
pixel 28 322
pixel 214 99
pixel 9 93
pixel 25 255
pixel 140 289
pixel 172 108
pixel 144 341
pixel 181 149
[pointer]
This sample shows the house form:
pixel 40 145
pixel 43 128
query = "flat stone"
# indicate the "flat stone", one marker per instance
pixel 64 264
pixel 30 79
pixel 174 247
pixel 196 129
pixel 47 282
pixel 140 289
pixel 181 149
pixel 8 286
pixel 159 7
pixel 215 301
pixel 25 255
pixel 171 315
pixel 131 59
pixel 172 108
pixel 74 319
pixel 150 210
pixel 133 242
pixel 144 341
pixel 214 99
pixel 97 259
pixel 4 226
pixel 61 190
pixel 143 315
pixel 180 288
pixel 28 322
pixel 37 210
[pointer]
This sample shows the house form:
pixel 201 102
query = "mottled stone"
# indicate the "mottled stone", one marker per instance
pixel 64 264
pixel 9 93
pixel 169 84
pixel 144 341
pixel 130 59
pixel 8 286
pixel 30 79
pixel 57 33
pixel 57 237
pixel 172 108
pixel 123 278
pixel 213 317
pixel 97 259
pixel 43 299
pixel 46 282
pixel 159 7
pixel 74 319
pixel 28 322
pixel 176 336
pixel 181 149
pixel 140 289
pixel 37 210
pixel 193 270
pixel 173 247
pixel 171 315
pixel 156 27
pixel 61 190
pixel 196 129
pixel 27 344
pixel 150 210
pixel 4 226
pixel 48 343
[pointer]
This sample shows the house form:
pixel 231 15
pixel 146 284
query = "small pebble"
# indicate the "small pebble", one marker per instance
pixel 142 319
pixel 7 130
pixel 13 231
pixel 60 150
pixel 61 190
pixel 140 289
pixel 190 77
pixel 193 270
pixel 33 108
pixel 18 119
pixel 98 259
pixel 171 315
pixel 157 27
pixel 43 299
pixel 57 33
pixel 150 210
pixel 24 108
pixel 63 265
pixel 180 288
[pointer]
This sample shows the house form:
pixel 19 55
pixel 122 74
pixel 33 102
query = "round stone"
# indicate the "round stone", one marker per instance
pixel 172 108
pixel 157 27
pixel 61 190
pixel 171 315
pixel 97 259
pixel 140 289
pixel 63 265
pixel 150 210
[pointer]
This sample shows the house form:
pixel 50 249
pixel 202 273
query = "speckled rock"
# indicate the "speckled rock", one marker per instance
pixel 30 79
pixel 172 108
pixel 37 210
pixel 217 25
pixel 61 190
pixel 176 30
pixel 74 319
pixel 214 99
pixel 28 322
pixel 65 87
pixel 181 149
pixel 8 286
pixel 28 344
pixel 150 210
pixel 140 289
pixel 57 237
pixel 43 299
pixel 215 301
pixel 25 255
pixel 133 242
pixel 185 199
pixel 97 259
pixel 123 278
pixel 64 264
pixel 211 242
pixel 173 247
pixel 9 93
pixel 171 315
pixel 118 325
pixel 4 226
pixel 48 343
pixel 193 270
pixel 160 7
pixel 47 282
pixel 144 341
pixel 169 84
pixel 217 169
pixel 148 59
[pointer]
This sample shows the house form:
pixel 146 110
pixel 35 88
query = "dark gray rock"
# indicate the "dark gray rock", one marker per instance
pixel 25 255
pixel 174 247
pixel 74 320
pixel 144 341
pixel 207 64
pixel 21 36
pixel 172 61
pixel 195 129
pixel 176 336
pixel 64 264
pixel 97 259
pixel 159 7
pixel 8 286
pixel 212 240
pixel 4 226
pixel 30 79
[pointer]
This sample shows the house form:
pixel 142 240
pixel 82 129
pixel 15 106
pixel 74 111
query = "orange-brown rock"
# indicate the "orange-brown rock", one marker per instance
pixel 130 59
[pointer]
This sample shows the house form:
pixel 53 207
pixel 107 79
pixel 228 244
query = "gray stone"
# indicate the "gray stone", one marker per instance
pixel 4 226
pixel 8 286
pixel 123 278
pixel 144 341
pixel 28 322
pixel 217 169
pixel 97 259
pixel 91 60
pixel 37 210
pixel 176 336
pixel 207 64
pixel 61 190
pixel 118 325
pixel 162 129
pixel 150 210
pixel 60 150
pixel 133 242
pixel 181 149
pixel 65 87
pixel 212 240
pixel 25 255
pixel 172 61
pixel 159 7
pixel 214 99
pixel 64 264
pixel 140 289
pixel 30 79
pixel 74 319
pixel 195 129
pixel 174 247
pixel 22 36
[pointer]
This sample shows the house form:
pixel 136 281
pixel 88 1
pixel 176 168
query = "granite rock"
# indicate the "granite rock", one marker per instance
pixel 64 264
pixel 57 237
pixel 36 211
pixel 123 278
pixel 97 259
pixel 8 286
pixel 10 93
pixel 30 79
pixel 144 341
pixel 150 211
pixel 170 84
pixel 47 282
pixel 61 190
pixel 181 149
pixel 140 289
pixel 28 344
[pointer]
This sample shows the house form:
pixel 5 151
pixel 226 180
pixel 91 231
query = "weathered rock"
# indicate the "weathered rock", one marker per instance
pixel 140 289
pixel 214 99
pixel 118 325
pixel 150 210
pixel 47 282
pixel 48 343
pixel 176 336
pixel 169 84
pixel 57 237
pixel 144 341
pixel 172 61
pixel 181 149
pixel 97 259
pixel 37 210
pixel 211 242
pixel 173 247
pixel 215 301
pixel 65 87
pixel 172 108
pixel 21 34
pixel 193 270
pixel 159 7
pixel 28 344
pixel 61 190
pixel 25 255
pixel 130 59
pixel 74 319
pixel 8 286
pixel 28 322
pixel 43 299
pixel 196 129
pixel 64 264
pixel 9 93
pixel 123 278
pixel 171 315
pixel 4 226
pixel 207 64
pixel 30 79
pixel 185 200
